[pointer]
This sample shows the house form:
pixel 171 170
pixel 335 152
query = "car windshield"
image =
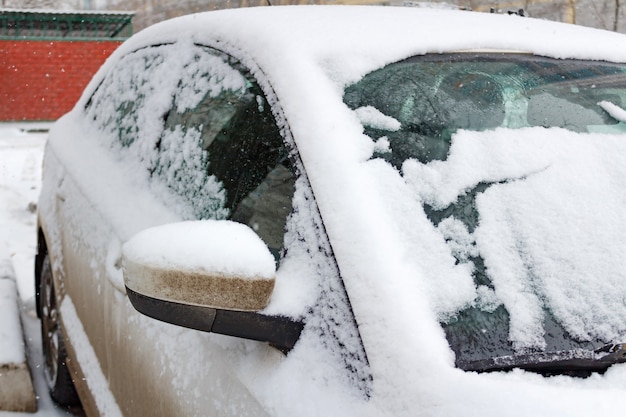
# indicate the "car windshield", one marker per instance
pixel 433 96
pixel 417 110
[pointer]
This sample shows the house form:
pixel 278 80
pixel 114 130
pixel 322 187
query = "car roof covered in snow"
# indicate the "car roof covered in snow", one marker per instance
pixel 350 41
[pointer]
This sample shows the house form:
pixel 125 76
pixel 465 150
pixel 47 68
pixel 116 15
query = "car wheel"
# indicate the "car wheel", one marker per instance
pixel 56 372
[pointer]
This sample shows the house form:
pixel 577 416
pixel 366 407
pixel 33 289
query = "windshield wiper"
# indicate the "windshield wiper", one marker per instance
pixel 577 362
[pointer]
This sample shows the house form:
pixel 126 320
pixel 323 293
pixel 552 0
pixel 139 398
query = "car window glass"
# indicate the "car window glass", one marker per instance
pixel 201 128
pixel 123 106
pixel 419 108
pixel 427 99
pixel 221 150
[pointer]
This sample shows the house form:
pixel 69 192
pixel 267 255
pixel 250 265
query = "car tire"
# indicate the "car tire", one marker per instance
pixel 57 375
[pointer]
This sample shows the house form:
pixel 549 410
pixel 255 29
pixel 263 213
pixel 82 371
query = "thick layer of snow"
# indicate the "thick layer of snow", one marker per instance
pixel 364 32
pixel 11 338
pixel 615 111
pixel 20 181
pixel 20 159
pixel 551 230
pixel 207 245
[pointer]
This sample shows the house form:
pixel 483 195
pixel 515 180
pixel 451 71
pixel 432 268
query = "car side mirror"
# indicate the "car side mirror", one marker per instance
pixel 206 275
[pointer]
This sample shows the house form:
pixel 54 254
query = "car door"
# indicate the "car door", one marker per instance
pixel 95 218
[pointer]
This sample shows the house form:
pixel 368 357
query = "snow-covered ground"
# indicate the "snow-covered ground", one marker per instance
pixel 21 151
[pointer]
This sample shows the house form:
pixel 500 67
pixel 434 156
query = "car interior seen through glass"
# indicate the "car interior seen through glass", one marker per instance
pixel 217 147
pixel 434 96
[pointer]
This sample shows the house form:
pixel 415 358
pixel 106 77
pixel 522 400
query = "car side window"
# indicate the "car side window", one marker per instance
pixel 221 150
pixel 125 99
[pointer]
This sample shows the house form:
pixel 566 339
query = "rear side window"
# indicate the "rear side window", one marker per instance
pixel 128 104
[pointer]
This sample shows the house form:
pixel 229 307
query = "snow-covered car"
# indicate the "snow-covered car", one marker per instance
pixel 341 211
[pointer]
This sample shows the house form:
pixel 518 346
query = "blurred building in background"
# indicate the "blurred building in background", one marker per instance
pixel 47 57
pixel 604 14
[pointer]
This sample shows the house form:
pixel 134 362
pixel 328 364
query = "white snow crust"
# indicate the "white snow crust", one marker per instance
pixel 207 245
pixel 551 227
pixel 615 111
pixel 11 339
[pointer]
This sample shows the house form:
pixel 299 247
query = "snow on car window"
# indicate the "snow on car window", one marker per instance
pixel 523 211
pixel 129 102
pixel 152 109
pixel 308 284
pixel 196 81
pixel 181 165
pixel 216 110
pixel 550 226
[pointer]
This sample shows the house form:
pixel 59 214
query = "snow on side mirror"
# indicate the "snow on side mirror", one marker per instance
pixel 208 275
pixel 209 263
